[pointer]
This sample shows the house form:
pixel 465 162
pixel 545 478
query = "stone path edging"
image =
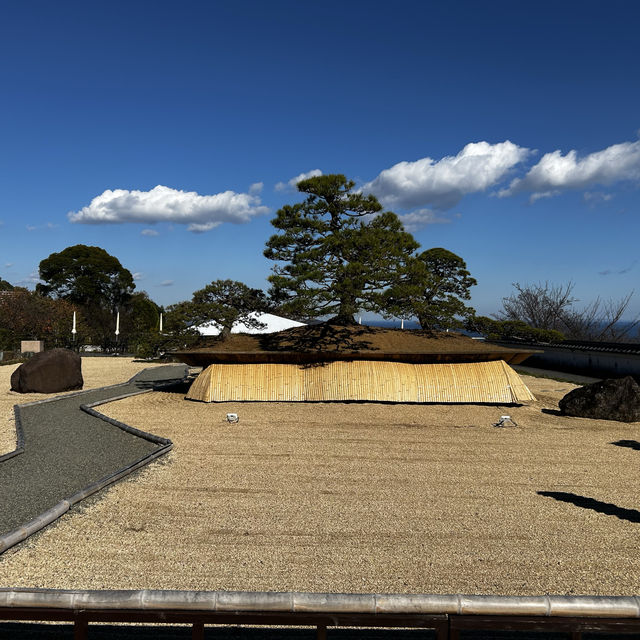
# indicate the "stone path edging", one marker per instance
pixel 19 435
pixel 89 408
pixel 38 523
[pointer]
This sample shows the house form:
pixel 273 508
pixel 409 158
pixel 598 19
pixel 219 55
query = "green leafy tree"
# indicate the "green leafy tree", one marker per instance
pixel 139 324
pixel 224 302
pixel 141 315
pixel 26 315
pixel 92 279
pixel 433 291
pixel 335 252
pixel 5 286
pixel 87 276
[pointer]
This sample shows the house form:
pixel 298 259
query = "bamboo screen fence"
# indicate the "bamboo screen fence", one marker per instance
pixel 475 382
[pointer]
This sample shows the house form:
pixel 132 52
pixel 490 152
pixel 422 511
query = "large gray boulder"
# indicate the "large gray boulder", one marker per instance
pixel 49 372
pixel 615 399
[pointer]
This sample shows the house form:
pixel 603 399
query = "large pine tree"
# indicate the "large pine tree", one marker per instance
pixel 335 252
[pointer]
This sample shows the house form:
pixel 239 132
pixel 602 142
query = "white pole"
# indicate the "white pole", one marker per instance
pixel 118 324
pixel 360 320
pixel 402 323
pixel 74 324
pixel 160 322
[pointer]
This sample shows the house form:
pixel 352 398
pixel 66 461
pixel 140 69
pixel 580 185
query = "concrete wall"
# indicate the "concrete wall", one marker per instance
pixel 588 362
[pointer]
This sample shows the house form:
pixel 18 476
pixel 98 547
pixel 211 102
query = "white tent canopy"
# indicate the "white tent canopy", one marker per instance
pixel 273 324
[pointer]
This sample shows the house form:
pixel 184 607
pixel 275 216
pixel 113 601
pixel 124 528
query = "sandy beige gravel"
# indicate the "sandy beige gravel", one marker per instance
pixel 96 371
pixel 355 498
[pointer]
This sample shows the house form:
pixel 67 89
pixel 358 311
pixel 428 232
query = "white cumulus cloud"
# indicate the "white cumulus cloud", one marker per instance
pixel 442 183
pixel 138 275
pixel 32 278
pixel 596 196
pixel 421 218
pixel 48 225
pixel 149 232
pixel 291 184
pixel 555 172
pixel 166 283
pixel 163 204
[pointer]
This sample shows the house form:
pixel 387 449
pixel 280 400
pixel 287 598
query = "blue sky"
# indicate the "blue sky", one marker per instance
pixel 167 133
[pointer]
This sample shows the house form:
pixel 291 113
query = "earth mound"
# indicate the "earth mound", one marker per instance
pixel 329 341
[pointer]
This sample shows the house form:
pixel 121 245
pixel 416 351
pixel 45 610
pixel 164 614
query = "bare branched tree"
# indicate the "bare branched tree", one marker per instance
pixel 601 321
pixel 549 306
pixel 541 306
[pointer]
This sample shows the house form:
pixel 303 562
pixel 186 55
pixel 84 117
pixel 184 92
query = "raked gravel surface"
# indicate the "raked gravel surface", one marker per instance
pixel 356 497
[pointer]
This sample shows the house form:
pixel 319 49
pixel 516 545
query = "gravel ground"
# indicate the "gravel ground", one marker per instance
pixel 357 498
pixel 96 371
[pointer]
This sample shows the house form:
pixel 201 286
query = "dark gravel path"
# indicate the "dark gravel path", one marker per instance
pixel 66 449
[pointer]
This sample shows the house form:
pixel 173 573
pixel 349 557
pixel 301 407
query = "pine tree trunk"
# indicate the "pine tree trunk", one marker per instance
pixel 346 311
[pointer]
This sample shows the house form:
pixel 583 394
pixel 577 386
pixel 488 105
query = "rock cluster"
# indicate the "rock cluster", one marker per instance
pixel 49 372
pixel 615 399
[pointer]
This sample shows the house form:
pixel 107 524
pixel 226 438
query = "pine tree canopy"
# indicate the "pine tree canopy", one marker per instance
pixel 437 282
pixel 335 252
pixel 224 302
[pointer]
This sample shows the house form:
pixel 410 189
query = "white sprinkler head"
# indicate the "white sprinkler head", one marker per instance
pixel 503 421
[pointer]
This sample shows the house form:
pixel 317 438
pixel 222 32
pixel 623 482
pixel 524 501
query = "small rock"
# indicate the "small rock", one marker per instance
pixel 49 372
pixel 614 399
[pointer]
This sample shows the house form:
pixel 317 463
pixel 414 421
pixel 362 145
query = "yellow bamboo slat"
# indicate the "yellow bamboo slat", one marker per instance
pixel 361 380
